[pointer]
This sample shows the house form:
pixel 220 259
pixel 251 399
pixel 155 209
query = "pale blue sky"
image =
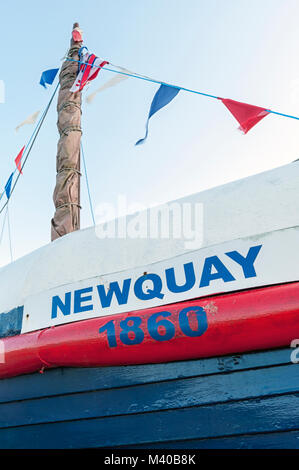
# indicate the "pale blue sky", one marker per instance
pixel 236 49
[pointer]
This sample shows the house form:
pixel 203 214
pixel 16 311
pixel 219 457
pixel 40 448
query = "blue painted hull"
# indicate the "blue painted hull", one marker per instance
pixel 241 401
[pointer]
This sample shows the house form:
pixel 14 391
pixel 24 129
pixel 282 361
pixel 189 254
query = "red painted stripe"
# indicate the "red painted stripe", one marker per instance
pixel 244 321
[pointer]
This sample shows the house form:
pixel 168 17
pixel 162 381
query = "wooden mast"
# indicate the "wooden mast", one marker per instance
pixel 67 190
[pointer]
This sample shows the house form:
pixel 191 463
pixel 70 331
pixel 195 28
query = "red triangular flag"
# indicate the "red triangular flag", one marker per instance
pixel 18 160
pixel 247 115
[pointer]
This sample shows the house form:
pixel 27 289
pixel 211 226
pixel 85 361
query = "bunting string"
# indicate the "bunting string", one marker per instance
pixel 246 114
pixel 189 90
pixel 89 66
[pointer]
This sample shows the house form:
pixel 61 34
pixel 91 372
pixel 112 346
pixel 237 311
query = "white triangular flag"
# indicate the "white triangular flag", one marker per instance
pixel 110 83
pixel 29 120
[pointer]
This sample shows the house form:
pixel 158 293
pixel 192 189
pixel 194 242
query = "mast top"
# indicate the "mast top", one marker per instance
pixel 76 34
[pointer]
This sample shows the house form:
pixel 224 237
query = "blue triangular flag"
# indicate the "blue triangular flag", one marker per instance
pixel 163 96
pixel 48 76
pixel 8 186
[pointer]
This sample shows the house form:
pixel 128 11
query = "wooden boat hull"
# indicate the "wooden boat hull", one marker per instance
pixel 235 402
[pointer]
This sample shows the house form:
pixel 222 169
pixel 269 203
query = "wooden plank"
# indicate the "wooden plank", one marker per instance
pixel 175 394
pixel 272 440
pixel 71 380
pixel 280 413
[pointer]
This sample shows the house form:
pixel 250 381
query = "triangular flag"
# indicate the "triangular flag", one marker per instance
pixel 8 186
pixel 29 120
pixel 247 115
pixel 163 96
pixel 110 83
pixel 48 76
pixel 18 160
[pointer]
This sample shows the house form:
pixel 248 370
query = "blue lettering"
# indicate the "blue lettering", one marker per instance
pixel 65 307
pixel 189 276
pixel 151 293
pixel 121 295
pixel 246 263
pixel 221 272
pixel 79 299
pixel 202 322
pixel 154 327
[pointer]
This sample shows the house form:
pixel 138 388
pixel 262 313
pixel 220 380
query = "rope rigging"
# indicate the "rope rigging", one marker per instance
pixel 87 185
pixel 30 145
pixel 9 235
pixel 27 151
pixel 6 218
pixel 3 226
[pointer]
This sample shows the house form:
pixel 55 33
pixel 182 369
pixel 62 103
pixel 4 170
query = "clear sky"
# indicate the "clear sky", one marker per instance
pixel 247 51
